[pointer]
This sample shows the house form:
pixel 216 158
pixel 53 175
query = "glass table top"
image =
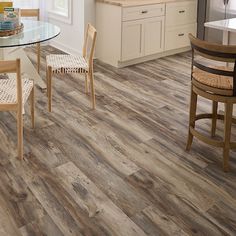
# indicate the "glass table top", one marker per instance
pixel 34 32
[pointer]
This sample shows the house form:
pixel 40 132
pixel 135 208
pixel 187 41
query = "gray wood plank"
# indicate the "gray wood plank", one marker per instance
pixel 121 169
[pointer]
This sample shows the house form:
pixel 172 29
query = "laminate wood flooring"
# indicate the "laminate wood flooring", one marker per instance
pixel 120 170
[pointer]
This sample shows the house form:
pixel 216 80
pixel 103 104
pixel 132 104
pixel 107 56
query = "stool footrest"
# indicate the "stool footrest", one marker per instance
pixel 210 116
pixel 205 139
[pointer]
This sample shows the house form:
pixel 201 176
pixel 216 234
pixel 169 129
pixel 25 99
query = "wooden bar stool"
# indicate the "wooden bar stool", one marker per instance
pixel 216 83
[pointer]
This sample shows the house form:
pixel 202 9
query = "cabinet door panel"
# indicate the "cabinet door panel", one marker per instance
pixel 154 35
pixel 181 13
pixel 143 12
pixel 132 40
pixel 178 37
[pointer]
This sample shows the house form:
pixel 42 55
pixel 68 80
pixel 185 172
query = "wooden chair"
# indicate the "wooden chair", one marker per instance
pixel 64 64
pixel 216 83
pixel 36 14
pixel 13 95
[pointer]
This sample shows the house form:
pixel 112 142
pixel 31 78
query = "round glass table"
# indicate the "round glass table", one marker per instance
pixel 33 32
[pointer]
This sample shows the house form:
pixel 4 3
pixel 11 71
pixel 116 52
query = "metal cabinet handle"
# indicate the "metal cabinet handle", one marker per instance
pixel 183 11
pixel 144 12
pixel 180 35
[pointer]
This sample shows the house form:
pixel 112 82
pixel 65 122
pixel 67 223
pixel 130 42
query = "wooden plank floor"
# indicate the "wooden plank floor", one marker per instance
pixel 119 170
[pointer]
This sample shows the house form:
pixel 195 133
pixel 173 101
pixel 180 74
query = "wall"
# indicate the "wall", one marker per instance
pixel 72 35
pixel 90 12
pixel 26 3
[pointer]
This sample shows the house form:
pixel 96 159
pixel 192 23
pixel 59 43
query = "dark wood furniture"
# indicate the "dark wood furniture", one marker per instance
pixel 216 83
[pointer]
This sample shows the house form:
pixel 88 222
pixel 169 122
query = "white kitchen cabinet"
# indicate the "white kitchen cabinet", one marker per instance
pixel 180 21
pixel 142 38
pixel 137 33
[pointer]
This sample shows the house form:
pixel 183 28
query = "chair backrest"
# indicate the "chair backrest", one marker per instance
pixel 216 53
pixel 89 44
pixel 30 13
pixel 13 67
pixel 36 14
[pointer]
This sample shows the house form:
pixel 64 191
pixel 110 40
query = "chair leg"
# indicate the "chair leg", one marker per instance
pixel 214 118
pixel 192 117
pixel 91 79
pixel 49 88
pixel 47 78
pixel 32 105
pixel 38 57
pixel 227 134
pixel 86 84
pixel 20 134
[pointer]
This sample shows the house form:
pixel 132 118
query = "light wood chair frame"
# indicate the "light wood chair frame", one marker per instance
pixel 34 13
pixel 15 67
pixel 218 53
pixel 91 33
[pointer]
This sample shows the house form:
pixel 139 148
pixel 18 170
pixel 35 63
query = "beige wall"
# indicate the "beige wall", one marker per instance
pixel 72 35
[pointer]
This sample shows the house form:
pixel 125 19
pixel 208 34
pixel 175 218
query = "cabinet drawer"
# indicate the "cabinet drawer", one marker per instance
pixel 178 37
pixel 181 13
pixel 142 12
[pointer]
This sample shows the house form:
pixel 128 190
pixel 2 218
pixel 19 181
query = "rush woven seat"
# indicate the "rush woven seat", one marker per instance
pixel 212 80
pixel 67 64
pixel 217 84
pixel 8 92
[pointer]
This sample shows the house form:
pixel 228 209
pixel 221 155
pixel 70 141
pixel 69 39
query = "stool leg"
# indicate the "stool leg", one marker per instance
pixel 227 134
pixel 214 118
pixel 192 117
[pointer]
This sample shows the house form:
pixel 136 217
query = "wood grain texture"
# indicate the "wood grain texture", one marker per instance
pixel 121 169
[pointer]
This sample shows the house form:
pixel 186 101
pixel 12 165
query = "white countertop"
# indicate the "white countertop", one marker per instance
pixel 130 3
pixel 225 25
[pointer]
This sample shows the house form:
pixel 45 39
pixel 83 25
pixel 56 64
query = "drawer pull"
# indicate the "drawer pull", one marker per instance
pixel 183 11
pixel 144 12
pixel 180 35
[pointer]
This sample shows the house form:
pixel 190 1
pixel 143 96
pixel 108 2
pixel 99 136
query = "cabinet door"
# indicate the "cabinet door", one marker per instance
pixel 132 40
pixel 154 35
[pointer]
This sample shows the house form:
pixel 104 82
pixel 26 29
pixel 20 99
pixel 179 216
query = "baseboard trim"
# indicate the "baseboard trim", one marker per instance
pixel 152 57
pixel 65 48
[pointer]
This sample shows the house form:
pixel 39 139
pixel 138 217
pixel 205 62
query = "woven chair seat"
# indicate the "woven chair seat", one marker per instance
pixel 212 80
pixel 8 93
pixel 67 64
